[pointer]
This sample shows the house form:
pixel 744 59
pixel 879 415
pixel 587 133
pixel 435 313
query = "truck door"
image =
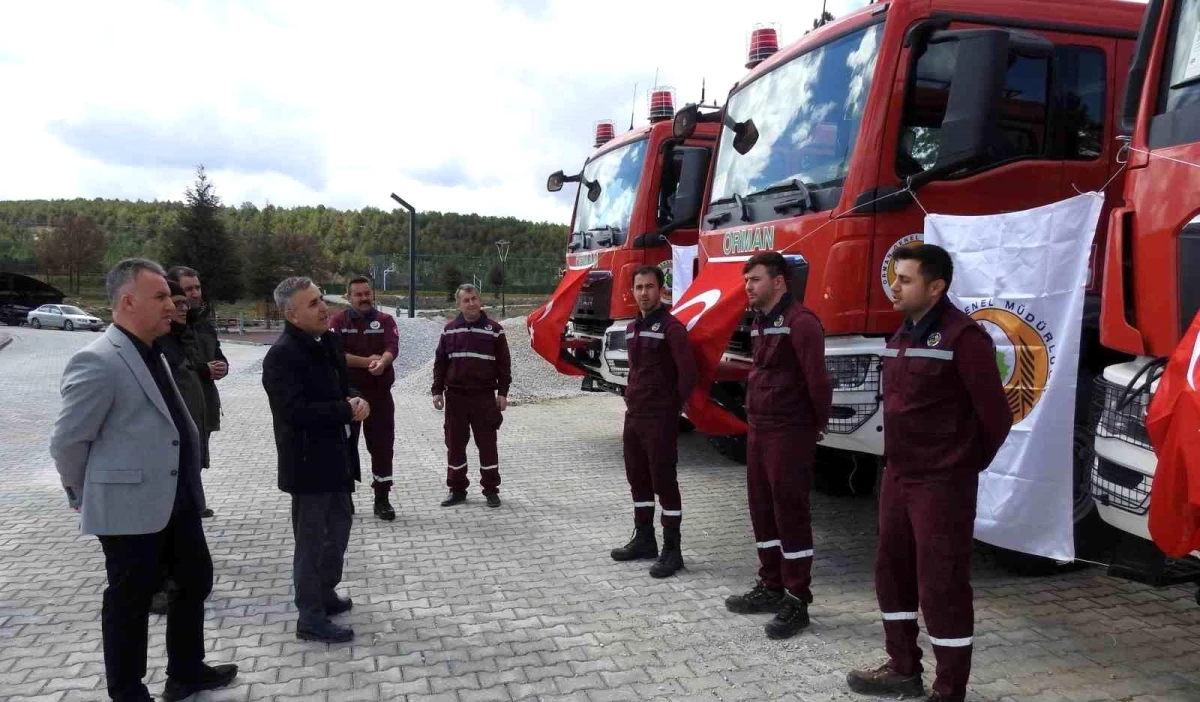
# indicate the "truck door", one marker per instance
pixel 1022 173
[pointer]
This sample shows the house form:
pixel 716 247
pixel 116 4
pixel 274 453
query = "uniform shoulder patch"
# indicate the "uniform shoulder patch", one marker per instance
pixel 375 324
pixel 779 321
pixel 656 327
pixel 934 339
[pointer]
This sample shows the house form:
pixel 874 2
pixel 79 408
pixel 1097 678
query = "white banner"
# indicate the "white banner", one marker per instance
pixel 681 269
pixel 1021 276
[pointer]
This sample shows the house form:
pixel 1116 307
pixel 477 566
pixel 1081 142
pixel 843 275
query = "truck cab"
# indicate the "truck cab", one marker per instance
pixel 833 149
pixel 638 194
pixel 1152 269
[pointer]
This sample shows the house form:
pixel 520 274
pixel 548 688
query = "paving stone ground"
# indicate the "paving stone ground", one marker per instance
pixel 471 604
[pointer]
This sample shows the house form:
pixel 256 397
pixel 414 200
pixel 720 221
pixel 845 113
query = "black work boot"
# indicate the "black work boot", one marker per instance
pixel 791 618
pixel 760 599
pixel 885 681
pixel 643 545
pixel 671 559
pixel 454 498
pixel 383 508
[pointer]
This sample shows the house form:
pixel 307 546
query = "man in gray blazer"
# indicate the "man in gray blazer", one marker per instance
pixel 129 458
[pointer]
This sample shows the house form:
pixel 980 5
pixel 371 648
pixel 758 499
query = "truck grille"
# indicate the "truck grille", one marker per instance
pixel 1121 418
pixel 858 374
pixel 1120 487
pixel 591 327
pixel 616 341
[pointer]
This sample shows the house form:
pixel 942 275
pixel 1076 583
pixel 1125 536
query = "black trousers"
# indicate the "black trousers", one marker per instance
pixel 321 527
pixel 136 565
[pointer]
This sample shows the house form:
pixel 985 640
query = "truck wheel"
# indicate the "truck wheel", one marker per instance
pixel 731 447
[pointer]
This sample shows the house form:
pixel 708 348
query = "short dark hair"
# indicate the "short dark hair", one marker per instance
pixel 356 280
pixel 935 261
pixel 178 272
pixel 654 271
pixel 773 261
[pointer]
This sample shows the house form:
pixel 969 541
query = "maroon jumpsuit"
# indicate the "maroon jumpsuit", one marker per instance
pixel 662 373
pixel 788 395
pixel 369 335
pixel 471 367
pixel 945 416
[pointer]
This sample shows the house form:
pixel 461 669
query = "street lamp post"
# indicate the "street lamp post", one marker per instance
pixel 412 255
pixel 502 249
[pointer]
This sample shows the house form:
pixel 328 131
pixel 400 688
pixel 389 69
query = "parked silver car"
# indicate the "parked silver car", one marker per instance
pixel 65 317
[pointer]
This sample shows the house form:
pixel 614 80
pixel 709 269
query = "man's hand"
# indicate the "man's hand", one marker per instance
pixel 439 402
pixel 502 402
pixel 218 369
pixel 360 408
pixel 377 365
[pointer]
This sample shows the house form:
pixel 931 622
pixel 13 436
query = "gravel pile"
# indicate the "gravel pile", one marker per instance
pixel 534 380
pixel 418 342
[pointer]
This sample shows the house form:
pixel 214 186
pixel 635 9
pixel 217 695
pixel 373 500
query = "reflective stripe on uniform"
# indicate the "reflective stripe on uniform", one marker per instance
pixel 899 616
pixel 769 544
pixel 672 513
pixel 929 353
pixel 653 335
pixel 381 479
pixel 459 330
pixel 890 353
pixel 477 330
pixel 471 354
pixel 462 467
pixel 753 332
pixel 776 330
pixel 629 335
pixel 808 553
pixel 373 331
pixel 640 505
pixel 349 331
pixel 950 643
pixel 495 467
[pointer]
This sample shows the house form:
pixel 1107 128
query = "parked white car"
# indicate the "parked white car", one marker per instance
pixel 66 317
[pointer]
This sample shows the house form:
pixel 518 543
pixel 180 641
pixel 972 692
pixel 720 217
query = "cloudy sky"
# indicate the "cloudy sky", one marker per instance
pixel 457 106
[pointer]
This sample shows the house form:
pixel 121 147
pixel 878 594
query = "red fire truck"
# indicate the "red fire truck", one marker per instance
pixel 638 193
pixel 1151 282
pixel 977 106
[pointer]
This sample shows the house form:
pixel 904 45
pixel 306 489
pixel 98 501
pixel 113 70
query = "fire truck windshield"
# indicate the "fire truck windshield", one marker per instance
pixel 807 113
pixel 605 222
pixel 1183 71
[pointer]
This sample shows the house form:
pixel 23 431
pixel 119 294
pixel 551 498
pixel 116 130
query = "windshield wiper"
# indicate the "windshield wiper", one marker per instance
pixel 608 240
pixel 802 200
pixel 576 241
pixel 735 199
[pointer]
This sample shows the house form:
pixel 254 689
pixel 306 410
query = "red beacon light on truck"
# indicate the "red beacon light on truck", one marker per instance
pixel 662 104
pixel 605 132
pixel 764 41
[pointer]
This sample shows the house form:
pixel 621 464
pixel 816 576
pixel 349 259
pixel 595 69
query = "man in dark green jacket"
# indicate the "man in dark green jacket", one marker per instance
pixel 204 348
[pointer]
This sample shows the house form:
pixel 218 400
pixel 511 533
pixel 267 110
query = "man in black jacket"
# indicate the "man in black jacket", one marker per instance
pixel 200 340
pixel 313 407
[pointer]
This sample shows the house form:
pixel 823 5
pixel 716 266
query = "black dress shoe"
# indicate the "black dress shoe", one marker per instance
pixel 383 508
pixel 454 498
pixel 206 514
pixel 210 678
pixel 341 606
pixel 326 632
pixel 493 500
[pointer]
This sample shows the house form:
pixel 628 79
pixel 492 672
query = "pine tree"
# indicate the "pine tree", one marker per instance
pixel 201 241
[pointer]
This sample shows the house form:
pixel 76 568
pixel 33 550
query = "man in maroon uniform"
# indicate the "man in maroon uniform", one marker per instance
pixel 945 416
pixel 662 373
pixel 471 375
pixel 371 342
pixel 788 395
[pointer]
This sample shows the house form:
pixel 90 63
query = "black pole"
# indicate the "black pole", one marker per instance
pixel 503 283
pixel 412 255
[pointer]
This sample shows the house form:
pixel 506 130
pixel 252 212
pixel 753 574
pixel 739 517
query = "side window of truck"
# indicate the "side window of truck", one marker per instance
pixel 670 182
pixel 1181 74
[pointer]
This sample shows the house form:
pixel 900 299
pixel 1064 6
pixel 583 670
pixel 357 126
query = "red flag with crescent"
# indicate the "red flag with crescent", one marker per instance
pixel 547 323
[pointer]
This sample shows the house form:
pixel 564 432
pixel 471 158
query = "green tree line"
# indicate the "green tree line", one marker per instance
pixel 253 245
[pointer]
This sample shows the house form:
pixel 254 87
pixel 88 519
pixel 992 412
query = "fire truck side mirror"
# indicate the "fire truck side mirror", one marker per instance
pixel 745 136
pixel 970 132
pixel 555 182
pixel 593 190
pixel 685 122
pixel 693 174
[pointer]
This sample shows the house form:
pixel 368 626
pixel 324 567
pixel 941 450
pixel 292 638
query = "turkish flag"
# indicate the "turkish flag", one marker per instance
pixel 710 310
pixel 547 323
pixel 1173 422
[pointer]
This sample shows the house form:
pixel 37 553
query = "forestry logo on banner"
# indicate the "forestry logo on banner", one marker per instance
pixel 1025 350
pixel 665 267
pixel 887 272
